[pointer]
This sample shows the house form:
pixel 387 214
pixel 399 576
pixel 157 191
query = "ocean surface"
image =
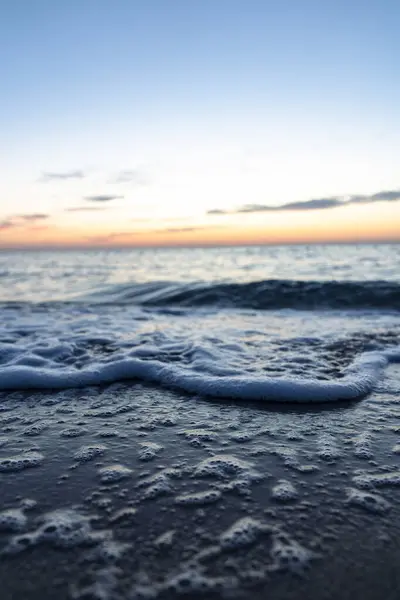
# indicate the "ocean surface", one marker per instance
pixel 289 323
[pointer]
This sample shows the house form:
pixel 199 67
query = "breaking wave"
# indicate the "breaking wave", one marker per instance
pixel 259 295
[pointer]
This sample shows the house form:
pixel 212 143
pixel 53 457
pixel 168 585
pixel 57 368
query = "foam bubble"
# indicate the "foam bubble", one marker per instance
pixel 284 491
pixel 327 448
pixel 156 485
pixel 369 480
pixel 205 497
pixel 225 465
pixel 109 550
pixel 243 532
pixel 28 504
pixel 288 554
pixel 108 433
pixel 197 437
pixel 36 428
pixel 73 432
pixel 159 488
pixel 194 582
pixel 124 515
pixel 26 460
pixel 149 450
pixel 13 519
pixel 114 473
pixel 86 453
pixel 61 529
pixel 369 501
pixel 363 445
pixel 165 540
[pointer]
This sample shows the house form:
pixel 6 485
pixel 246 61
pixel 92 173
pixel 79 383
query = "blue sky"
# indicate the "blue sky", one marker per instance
pixel 209 104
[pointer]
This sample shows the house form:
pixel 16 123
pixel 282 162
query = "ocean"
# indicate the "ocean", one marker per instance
pixel 200 423
pixel 286 323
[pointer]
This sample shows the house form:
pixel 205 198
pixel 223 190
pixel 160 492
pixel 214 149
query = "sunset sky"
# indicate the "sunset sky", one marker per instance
pixel 196 122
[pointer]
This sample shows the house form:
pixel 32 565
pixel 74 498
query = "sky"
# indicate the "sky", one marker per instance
pixel 199 122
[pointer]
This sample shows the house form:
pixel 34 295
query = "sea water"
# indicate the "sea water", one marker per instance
pixel 146 432
pixel 290 323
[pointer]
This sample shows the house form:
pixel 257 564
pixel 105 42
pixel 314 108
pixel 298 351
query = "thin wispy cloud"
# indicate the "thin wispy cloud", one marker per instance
pixel 186 229
pixel 62 176
pixel 84 208
pixel 110 237
pixel 102 198
pixel 313 204
pixel 217 211
pixel 22 220
pixel 179 229
pixel 135 176
pixel 32 217
pixel 6 224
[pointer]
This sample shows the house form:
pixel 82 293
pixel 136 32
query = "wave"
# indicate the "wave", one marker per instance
pixel 259 295
pixel 360 379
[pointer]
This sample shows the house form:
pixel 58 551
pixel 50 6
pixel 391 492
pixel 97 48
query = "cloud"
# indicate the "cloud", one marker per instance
pixel 129 176
pixel 21 220
pixel 84 208
pixel 32 217
pixel 6 224
pixel 186 229
pixel 77 174
pixel 102 198
pixel 314 204
pixel 217 211
pixel 179 229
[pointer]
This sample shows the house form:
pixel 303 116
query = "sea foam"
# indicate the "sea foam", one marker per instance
pixel 359 380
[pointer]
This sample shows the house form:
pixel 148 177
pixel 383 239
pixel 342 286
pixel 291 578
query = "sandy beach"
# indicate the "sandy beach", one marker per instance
pixel 131 491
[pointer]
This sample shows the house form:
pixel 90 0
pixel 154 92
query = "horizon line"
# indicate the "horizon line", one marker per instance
pixel 50 247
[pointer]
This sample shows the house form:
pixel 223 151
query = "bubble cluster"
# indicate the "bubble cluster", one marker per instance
pixel 194 582
pixel 199 498
pixel 61 529
pixel 114 473
pixel 370 480
pixel 363 445
pixel 86 453
pixel 327 448
pixel 373 503
pixel 13 519
pixel 197 437
pixel 149 450
pixel 157 485
pixel 27 460
pixel 243 532
pixel 72 432
pixel 288 555
pixel 284 491
pixel 223 466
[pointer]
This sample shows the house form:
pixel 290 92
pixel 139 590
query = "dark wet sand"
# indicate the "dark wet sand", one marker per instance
pixel 349 550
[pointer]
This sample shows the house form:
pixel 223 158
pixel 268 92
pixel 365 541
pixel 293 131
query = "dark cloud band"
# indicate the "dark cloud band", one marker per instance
pixel 314 204
pixel 102 198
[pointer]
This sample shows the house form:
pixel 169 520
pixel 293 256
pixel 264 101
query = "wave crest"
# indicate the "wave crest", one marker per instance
pixel 259 295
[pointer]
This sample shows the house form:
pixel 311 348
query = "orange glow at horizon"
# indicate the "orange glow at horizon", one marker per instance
pixel 372 223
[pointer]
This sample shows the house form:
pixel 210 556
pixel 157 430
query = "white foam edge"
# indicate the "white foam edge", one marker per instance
pixel 360 379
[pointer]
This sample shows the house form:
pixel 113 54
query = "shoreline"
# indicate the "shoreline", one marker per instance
pixel 141 490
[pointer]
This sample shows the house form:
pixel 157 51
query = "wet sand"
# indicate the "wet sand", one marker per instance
pixel 132 491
